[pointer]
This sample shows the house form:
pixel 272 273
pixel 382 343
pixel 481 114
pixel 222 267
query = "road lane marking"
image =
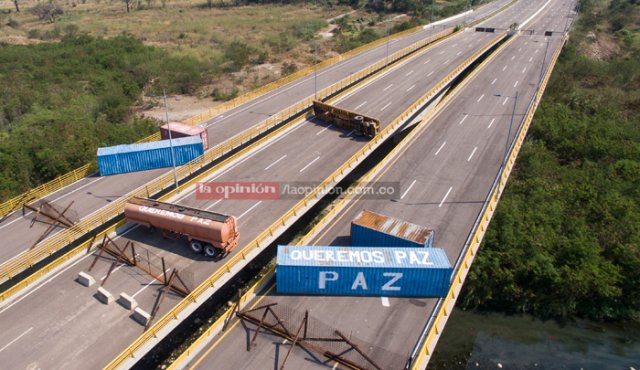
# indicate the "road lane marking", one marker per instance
pixel 114 270
pixel 530 59
pixel 53 201
pixel 525 68
pixel 385 107
pixel 58 274
pixel 430 73
pixel 15 340
pixel 313 161
pixel 446 62
pixel 144 287
pixel 445 197
pixel 491 123
pixel 284 156
pixel 459 53
pixel 409 188
pixel 317 133
pixel 213 204
pixel 494 81
pixel 360 105
pixel 472 153
pixel 516 84
pixel 251 209
pixel 504 68
pixel 513 57
pixel 442 52
pixel 428 60
pixel 387 88
pixel 480 98
pixel 385 301
pixel 411 88
pixel 463 118
pixel 505 100
pixel 536 51
pixel 409 73
pixel 441 146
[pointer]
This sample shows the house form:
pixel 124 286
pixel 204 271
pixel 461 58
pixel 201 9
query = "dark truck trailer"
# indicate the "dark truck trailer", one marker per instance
pixel 346 119
pixel 211 233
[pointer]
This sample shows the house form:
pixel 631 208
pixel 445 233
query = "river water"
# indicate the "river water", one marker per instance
pixel 493 341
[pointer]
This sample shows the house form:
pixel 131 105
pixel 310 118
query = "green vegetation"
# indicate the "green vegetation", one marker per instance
pixel 60 101
pixel 565 239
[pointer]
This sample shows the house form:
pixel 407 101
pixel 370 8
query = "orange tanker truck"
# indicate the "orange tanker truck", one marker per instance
pixel 211 233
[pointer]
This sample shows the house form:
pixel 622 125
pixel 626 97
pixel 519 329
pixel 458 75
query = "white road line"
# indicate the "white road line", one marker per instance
pixel 442 52
pixel 494 81
pixel 15 340
pixel 530 59
pixel 317 133
pixel 387 88
pixel 53 201
pixel 454 45
pixel 114 270
pixel 411 88
pixel 525 68
pixel 480 98
pixel 459 53
pixel 513 57
pixel 491 123
pixel 385 301
pixel 56 275
pixel 385 107
pixel 472 153
pixel 360 105
pixel 536 51
pixel 284 156
pixel 430 73
pixel 250 209
pixel 428 60
pixel 516 84
pixel 409 188
pixel 504 68
pixel 519 49
pixel 446 62
pixel 409 73
pixel 463 118
pixel 313 161
pixel 439 149
pixel 445 197
pixel 220 116
pixel 143 288
pixel 213 204
pixel 505 100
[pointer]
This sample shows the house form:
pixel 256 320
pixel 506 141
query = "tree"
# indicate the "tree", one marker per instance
pixel 15 2
pixel 128 4
pixel 47 12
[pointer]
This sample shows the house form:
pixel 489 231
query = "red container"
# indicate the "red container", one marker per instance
pixel 181 130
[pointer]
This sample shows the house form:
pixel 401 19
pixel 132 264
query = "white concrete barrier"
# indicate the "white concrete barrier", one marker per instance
pixel 141 316
pixel 104 296
pixel 85 279
pixel 127 302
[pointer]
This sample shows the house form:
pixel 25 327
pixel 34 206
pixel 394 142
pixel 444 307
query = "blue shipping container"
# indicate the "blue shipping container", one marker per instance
pixel 379 271
pixel 370 229
pixel 146 156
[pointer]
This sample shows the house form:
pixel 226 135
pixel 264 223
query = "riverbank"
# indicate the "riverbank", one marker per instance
pixel 475 340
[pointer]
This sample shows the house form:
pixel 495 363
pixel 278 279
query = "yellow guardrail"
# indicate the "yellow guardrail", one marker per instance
pixel 63 238
pixel 292 213
pixel 87 169
pixel 465 264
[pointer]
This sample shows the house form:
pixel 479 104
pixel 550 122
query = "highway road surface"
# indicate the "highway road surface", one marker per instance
pixel 445 173
pixel 94 192
pixel 60 324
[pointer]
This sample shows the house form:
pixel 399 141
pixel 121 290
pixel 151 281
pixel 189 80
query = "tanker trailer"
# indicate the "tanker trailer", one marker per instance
pixel 211 233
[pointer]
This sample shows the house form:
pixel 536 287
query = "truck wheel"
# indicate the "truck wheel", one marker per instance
pixel 196 246
pixel 210 251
